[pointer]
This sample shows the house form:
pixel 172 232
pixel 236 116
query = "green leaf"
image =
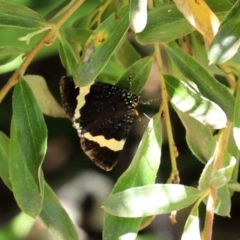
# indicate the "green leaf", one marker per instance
pixel 187 100
pixel 100 47
pixel 27 149
pixel 207 85
pixel 126 54
pixel 223 175
pixel 234 151
pixel 165 23
pixel 219 6
pixel 204 181
pixel 192 226
pixel 200 55
pixel 84 21
pixel 199 137
pixel 25 188
pixel 223 206
pixel 8 54
pixel 15 15
pixel 18 228
pixel 67 56
pixel 142 171
pixel 111 72
pixel 226 42
pixel 58 10
pixel 56 218
pixel 139 73
pixel 234 186
pixel 46 101
pixel 236 121
pixel 79 35
pixel 151 200
pixel 4 150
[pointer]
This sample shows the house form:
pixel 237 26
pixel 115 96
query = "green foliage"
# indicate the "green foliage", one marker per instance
pixel 226 42
pixel 142 171
pixel 202 102
pixel 27 148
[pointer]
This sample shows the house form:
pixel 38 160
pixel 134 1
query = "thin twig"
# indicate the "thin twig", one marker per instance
pixel 174 177
pixel 30 55
pixel 217 164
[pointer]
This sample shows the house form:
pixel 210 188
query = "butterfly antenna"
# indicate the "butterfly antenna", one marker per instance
pixel 146 116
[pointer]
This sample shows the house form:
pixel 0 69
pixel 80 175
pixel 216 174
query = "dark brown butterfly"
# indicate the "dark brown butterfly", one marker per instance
pixel 102 114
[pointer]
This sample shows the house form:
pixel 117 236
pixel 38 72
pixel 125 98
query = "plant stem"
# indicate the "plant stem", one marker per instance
pixel 174 177
pixel 47 38
pixel 217 164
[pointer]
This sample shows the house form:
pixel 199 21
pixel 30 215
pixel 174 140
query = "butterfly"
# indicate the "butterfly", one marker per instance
pixel 102 114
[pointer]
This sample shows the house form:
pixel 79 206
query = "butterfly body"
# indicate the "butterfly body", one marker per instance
pixel 102 114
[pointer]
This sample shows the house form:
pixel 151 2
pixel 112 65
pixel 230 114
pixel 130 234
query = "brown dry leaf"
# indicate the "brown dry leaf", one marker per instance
pixel 47 103
pixel 200 17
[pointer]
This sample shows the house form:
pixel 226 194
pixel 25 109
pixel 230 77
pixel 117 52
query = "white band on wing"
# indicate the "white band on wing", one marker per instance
pixel 112 143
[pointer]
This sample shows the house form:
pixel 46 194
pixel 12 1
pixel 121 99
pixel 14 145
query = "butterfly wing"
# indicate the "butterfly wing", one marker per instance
pixel 69 94
pixel 103 117
pixel 105 121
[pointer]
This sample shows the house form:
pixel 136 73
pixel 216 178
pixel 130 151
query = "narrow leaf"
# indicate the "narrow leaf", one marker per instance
pixel 79 35
pixel 187 100
pixel 100 47
pixel 126 54
pixel 67 56
pixel 56 218
pixel 4 150
pixel 151 200
pixel 138 73
pixel 142 171
pixel 15 15
pixel 204 181
pixel 236 121
pixel 27 149
pixel 226 42
pixel 223 206
pixel 234 151
pixel 192 226
pixel 25 188
pixel 162 24
pixel 200 55
pixel 220 6
pixel 201 17
pixel 223 175
pixel 199 137
pixel 207 85
pixel 234 186
pixel 47 103
pixel 7 54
